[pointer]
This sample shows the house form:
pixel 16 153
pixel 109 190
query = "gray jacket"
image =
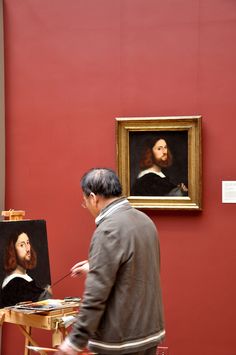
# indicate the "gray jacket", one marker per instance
pixel 122 308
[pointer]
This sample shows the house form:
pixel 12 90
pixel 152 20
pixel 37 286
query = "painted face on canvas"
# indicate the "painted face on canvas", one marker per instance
pixel 23 248
pixel 161 154
pixel 160 150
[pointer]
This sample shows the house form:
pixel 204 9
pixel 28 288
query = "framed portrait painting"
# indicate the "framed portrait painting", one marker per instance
pixel 159 161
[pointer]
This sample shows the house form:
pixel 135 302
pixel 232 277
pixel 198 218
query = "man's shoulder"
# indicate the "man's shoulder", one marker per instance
pixel 126 216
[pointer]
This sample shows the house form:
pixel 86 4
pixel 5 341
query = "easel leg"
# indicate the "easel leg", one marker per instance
pixel 2 317
pixel 28 339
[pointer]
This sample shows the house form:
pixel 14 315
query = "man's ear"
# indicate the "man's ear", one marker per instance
pixel 94 198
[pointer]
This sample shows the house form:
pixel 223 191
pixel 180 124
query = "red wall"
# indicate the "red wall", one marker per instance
pixel 72 66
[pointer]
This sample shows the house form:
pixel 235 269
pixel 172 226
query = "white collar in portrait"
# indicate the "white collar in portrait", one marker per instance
pixel 12 276
pixel 147 171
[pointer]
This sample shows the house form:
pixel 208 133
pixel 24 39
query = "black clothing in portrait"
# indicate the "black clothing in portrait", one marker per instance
pixel 152 184
pixel 20 290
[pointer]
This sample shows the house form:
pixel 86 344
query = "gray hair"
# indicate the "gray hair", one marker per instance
pixel 101 181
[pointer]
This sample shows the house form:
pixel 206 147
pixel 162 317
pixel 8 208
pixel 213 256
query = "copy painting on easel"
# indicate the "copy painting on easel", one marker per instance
pixel 24 262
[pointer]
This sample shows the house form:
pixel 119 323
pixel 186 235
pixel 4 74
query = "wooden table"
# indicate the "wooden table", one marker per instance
pixel 49 320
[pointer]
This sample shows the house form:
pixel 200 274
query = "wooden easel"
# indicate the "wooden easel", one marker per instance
pixel 13 215
pixel 16 215
pixel 50 320
pixel 25 322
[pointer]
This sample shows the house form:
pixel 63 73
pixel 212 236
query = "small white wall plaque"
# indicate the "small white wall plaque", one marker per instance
pixel 228 191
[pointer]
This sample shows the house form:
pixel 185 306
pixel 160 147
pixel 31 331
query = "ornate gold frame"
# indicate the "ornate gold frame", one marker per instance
pixel 192 126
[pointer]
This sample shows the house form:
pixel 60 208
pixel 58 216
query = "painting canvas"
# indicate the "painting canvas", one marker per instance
pixel 26 256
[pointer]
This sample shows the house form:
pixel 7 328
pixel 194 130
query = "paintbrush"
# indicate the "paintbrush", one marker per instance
pixel 62 278
pixel 40 348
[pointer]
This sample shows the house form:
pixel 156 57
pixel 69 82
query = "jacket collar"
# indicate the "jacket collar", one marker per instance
pixel 111 208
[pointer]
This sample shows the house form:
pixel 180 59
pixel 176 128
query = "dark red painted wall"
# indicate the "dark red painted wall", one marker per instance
pixel 72 66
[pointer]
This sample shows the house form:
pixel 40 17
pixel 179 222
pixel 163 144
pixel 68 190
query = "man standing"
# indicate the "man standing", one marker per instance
pixel 121 311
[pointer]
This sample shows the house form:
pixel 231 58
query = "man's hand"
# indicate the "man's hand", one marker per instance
pixel 66 349
pixel 81 267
